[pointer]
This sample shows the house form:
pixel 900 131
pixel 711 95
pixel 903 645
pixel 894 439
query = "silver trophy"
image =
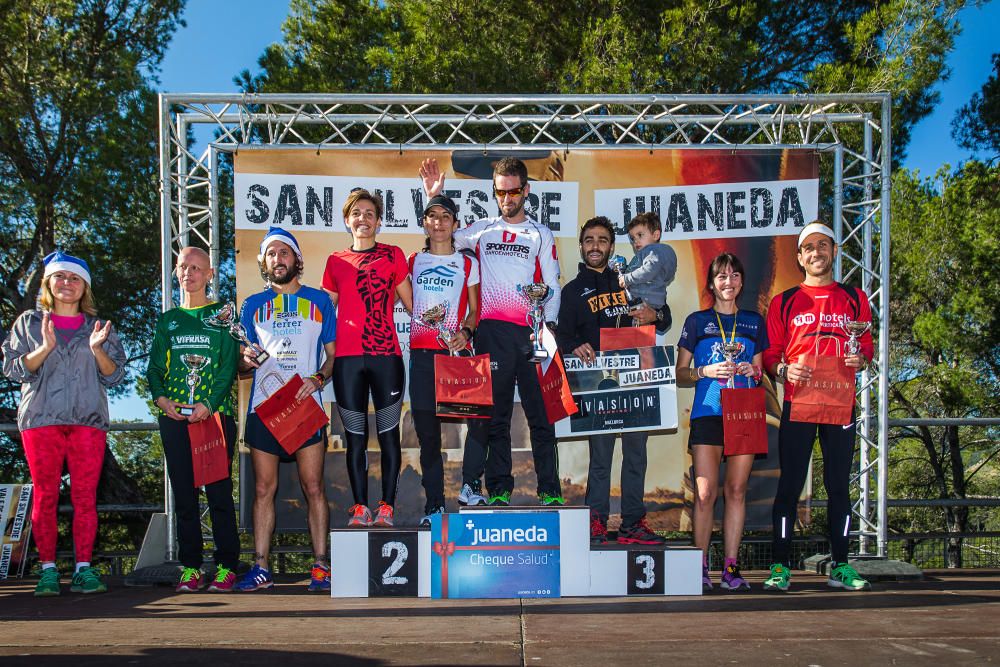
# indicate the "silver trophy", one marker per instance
pixel 226 318
pixel 536 295
pixel 618 265
pixel 433 318
pixel 854 331
pixel 194 363
pixel 731 351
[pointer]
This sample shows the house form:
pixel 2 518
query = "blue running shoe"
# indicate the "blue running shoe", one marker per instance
pixel 319 579
pixel 254 580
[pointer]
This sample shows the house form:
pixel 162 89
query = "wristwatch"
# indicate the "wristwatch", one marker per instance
pixel 782 371
pixel 659 315
pixel 468 331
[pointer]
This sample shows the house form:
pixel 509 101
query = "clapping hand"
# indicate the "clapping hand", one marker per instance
pixel 99 335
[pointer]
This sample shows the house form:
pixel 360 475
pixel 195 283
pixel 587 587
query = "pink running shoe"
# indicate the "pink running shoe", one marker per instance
pixel 191 581
pixel 224 580
pixel 361 517
pixel 383 518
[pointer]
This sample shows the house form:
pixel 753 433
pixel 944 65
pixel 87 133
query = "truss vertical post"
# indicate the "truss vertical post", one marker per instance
pixel 883 343
pixel 213 208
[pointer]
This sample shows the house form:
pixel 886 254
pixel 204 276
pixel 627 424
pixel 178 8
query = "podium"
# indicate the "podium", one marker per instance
pixel 396 562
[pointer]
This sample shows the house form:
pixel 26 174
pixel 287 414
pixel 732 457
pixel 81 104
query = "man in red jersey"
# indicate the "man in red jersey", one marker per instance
pixel 808 320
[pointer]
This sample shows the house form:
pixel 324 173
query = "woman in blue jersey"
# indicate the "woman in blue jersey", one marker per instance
pixel 701 341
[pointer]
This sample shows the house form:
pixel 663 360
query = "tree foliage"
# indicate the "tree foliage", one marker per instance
pixel 977 125
pixel 945 341
pixel 616 47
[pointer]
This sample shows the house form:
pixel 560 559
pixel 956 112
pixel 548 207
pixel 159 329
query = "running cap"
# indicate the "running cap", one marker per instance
pixel 447 203
pixel 279 234
pixel 816 228
pixel 60 261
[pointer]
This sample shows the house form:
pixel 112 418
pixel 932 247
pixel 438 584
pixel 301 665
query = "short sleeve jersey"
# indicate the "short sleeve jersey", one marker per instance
pixel 292 328
pixel 365 282
pixel 440 279
pixel 701 337
pixel 512 255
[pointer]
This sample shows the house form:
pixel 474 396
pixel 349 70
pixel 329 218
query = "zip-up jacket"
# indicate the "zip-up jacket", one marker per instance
pixel 591 301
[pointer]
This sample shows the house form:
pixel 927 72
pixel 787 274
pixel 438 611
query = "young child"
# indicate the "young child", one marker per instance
pixel 654 264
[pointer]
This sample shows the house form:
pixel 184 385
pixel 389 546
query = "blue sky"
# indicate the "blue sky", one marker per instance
pixel 220 41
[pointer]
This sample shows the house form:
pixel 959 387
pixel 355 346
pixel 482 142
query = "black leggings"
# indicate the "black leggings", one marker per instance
pixel 353 379
pixel 795 445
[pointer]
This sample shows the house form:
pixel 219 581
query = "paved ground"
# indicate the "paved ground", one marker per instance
pixel 951 618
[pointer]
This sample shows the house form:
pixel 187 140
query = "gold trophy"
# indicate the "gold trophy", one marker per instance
pixel 536 295
pixel 226 319
pixel 194 363
pixel 433 318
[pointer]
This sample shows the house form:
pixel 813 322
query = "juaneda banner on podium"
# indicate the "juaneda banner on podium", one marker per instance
pixel 749 202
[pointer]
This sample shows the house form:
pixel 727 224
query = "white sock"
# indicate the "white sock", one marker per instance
pixel 47 565
pixel 81 565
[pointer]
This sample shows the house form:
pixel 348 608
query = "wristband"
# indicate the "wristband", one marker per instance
pixel 319 377
pixel 699 371
pixel 468 332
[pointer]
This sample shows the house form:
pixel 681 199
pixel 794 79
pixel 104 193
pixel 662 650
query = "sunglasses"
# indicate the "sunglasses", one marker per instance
pixel 515 192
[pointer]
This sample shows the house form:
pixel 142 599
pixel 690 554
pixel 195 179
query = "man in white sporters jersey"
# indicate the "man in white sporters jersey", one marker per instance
pixel 513 250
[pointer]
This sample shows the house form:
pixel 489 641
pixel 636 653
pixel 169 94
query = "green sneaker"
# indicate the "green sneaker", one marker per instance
pixel 501 499
pixel 48 583
pixel 845 576
pixel 778 581
pixel 547 499
pixel 88 580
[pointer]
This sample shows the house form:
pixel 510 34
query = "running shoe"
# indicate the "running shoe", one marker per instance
pixel 319 581
pixel 254 580
pixel 88 580
pixel 471 494
pixel 548 499
pixel 732 579
pixel 845 576
pixel 191 581
pixel 706 580
pixel 383 517
pixel 361 517
pixel 778 581
pixel 639 533
pixel 431 511
pixel 501 499
pixel 598 530
pixel 225 580
pixel 48 583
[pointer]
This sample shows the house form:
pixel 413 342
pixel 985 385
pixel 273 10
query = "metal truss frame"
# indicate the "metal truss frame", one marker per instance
pixel 852 129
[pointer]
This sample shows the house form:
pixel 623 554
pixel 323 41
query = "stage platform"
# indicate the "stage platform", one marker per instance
pixel 952 617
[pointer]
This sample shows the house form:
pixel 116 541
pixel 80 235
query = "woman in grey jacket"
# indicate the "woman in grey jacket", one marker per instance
pixel 64 358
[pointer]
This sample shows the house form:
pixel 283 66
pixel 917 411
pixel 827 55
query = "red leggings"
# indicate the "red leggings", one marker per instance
pixel 82 449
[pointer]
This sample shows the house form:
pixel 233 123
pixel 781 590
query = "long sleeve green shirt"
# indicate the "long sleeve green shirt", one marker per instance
pixel 182 331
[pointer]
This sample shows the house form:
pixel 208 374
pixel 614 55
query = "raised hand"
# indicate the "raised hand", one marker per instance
pixel 99 334
pixel 48 333
pixel 432 176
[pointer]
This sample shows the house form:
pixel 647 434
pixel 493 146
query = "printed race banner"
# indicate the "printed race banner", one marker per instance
pixel 495 555
pixel 751 202
pixel 620 391
pixel 15 501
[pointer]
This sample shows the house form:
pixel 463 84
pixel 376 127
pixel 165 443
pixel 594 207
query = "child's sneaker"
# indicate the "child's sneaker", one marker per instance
pixel 732 579
pixel 225 580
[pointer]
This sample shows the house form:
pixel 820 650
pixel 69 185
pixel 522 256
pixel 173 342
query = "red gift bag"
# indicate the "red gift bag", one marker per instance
pixel 290 421
pixel 556 395
pixel 628 338
pixel 463 386
pixel 744 421
pixel 828 396
pixel 209 457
